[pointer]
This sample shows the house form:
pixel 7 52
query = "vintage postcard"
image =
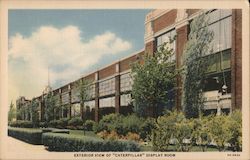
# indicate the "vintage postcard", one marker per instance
pixel 124 80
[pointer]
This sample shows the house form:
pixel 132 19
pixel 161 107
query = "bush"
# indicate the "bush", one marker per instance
pixel 53 123
pixel 69 143
pixel 43 125
pixel 28 135
pixel 146 129
pixel 131 123
pixel 88 125
pixel 220 131
pixel 235 126
pixel 76 121
pixel 109 122
pixel 63 122
pixel 21 124
pixel 133 137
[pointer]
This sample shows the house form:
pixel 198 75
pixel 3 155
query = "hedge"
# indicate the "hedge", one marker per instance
pixel 72 143
pixel 32 136
pixel 21 124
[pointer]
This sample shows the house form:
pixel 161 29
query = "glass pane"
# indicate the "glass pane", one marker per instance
pixel 226 60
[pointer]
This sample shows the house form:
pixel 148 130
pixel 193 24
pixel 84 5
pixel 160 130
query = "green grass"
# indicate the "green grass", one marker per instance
pixel 81 133
pixel 171 148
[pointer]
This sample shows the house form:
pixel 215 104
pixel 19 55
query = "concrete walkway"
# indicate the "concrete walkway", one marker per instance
pixel 16 145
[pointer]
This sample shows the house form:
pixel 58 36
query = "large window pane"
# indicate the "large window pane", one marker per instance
pixel 126 82
pixel 107 87
pixel 107 102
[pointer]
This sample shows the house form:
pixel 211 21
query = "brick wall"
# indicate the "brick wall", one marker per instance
pixel 164 20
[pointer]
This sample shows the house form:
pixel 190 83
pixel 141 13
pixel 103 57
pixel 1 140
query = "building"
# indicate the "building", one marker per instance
pixel 111 85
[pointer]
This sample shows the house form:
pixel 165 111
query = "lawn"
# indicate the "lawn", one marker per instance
pixel 81 132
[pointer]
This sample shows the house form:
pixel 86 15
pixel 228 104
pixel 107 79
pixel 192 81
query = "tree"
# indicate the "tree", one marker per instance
pixel 197 47
pixel 34 112
pixel 12 112
pixel 49 107
pixel 154 82
pixel 84 87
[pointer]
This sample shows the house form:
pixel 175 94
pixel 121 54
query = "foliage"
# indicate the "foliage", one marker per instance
pixel 89 124
pixel 165 130
pixel 28 135
pixel 133 137
pixel 49 105
pixel 122 125
pixel 12 112
pixel 21 124
pixel 235 127
pixel 83 87
pixel 219 127
pixel 131 123
pixel 76 121
pixel 70 143
pixel 183 133
pixel 109 122
pixel 154 82
pixel 197 46
pixel 33 109
pixel 201 134
pixel 146 129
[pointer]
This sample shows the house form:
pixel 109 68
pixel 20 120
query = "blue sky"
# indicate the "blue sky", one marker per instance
pixel 69 42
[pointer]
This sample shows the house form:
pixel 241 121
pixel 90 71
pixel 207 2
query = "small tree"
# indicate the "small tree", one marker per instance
pixel 34 113
pixel 154 82
pixel 12 112
pixel 49 107
pixel 84 87
pixel 196 66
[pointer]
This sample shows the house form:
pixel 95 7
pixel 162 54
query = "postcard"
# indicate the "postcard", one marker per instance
pixel 124 80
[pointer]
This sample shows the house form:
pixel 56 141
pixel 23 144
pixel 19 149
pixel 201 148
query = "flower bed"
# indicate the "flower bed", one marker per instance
pixel 73 143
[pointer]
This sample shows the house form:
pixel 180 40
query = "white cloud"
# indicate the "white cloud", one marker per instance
pixel 63 50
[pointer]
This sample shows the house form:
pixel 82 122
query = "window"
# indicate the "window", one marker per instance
pixel 126 82
pixel 65 98
pixel 220 23
pixel 107 87
pixel 125 99
pixel 107 102
pixel 90 104
pixel 75 95
pixel 91 91
pixel 166 37
pixel 75 110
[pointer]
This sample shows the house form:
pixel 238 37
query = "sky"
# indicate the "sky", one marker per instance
pixel 70 43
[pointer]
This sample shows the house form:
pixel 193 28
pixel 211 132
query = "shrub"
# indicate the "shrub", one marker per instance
pixel 76 121
pixel 131 123
pixel 43 125
pixel 21 124
pixel 220 131
pixel 146 129
pixel 109 122
pixel 133 136
pixel 88 125
pixel 164 131
pixel 235 126
pixel 28 135
pixel 201 133
pixel 69 143
pixel 60 131
pixel 64 122
pixel 53 123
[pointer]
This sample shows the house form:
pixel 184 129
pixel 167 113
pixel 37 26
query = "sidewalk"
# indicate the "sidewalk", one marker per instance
pixel 15 145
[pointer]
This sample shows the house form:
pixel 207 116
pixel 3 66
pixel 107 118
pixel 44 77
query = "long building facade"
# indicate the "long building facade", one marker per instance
pixel 110 88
